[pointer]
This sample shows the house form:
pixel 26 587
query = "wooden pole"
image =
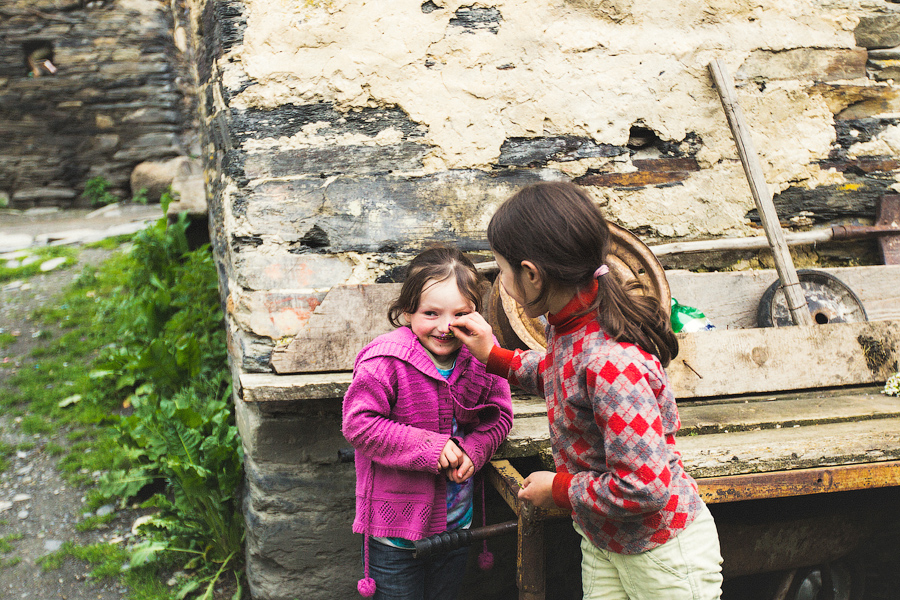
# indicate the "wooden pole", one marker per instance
pixel 784 264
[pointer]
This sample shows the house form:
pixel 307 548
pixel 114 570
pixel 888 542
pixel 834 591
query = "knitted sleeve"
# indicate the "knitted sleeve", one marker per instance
pixel 636 481
pixel 526 371
pixel 496 419
pixel 368 426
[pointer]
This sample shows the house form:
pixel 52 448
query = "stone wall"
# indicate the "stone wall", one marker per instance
pixel 121 93
pixel 340 137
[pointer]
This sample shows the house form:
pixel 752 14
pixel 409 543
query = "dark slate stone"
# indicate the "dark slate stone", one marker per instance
pixel 239 242
pixel 827 204
pixel 232 23
pixel 855 131
pixel 289 119
pixel 475 18
pixel 538 151
pixel 336 160
pixel 429 7
pixel 314 239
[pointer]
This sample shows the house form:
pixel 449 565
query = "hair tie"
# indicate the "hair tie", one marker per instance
pixel 601 271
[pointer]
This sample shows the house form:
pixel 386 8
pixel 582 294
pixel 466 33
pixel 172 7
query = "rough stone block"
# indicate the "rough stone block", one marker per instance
pixel 311 553
pixel 290 438
pixel 884 69
pixel 386 214
pixel 816 64
pixel 878 31
pixel 273 268
pixel 274 314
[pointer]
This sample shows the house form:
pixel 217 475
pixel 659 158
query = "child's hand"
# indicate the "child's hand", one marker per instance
pixel 465 470
pixel 538 489
pixel 473 331
pixel 451 456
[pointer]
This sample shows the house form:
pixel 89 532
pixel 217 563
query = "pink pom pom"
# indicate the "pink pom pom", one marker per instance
pixel 485 561
pixel 366 587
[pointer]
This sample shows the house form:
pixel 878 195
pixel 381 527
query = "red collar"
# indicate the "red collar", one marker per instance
pixel 568 320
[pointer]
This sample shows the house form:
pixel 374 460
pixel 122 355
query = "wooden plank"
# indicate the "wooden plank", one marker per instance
pixel 348 318
pixel 768 450
pixel 743 361
pixel 799 482
pixel 783 411
pixel 726 454
pixel 265 387
pixel 730 299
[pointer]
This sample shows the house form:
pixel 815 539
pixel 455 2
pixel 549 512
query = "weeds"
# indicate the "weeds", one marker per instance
pixel 96 191
pixel 138 386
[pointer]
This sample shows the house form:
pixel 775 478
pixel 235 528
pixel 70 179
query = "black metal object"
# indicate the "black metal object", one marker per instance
pixel 451 540
pixel 828 298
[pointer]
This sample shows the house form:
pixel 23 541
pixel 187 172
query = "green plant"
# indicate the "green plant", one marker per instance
pixel 140 197
pixel 5 546
pixel 96 190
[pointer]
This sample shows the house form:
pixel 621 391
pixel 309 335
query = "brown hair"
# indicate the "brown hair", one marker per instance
pixel 557 226
pixel 437 263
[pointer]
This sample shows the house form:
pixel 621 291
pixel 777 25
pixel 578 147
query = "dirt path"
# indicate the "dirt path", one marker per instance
pixel 39 511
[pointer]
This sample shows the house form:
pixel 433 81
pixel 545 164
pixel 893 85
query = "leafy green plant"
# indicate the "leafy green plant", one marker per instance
pixel 96 190
pixel 138 379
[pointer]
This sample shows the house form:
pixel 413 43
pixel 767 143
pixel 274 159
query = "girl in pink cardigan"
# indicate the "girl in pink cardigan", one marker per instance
pixel 424 416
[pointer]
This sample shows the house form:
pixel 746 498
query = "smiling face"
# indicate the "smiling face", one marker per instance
pixel 439 304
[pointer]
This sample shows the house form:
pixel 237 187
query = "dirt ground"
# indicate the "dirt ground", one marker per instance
pixel 35 502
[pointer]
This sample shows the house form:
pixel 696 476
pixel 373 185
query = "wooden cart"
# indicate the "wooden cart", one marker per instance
pixel 767 415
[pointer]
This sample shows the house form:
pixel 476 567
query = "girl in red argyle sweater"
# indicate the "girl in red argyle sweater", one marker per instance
pixel 646 533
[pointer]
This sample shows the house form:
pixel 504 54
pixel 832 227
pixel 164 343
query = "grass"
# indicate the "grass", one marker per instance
pixel 14 269
pixel 57 393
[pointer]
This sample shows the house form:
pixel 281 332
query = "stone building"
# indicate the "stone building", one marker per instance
pixel 88 89
pixel 340 137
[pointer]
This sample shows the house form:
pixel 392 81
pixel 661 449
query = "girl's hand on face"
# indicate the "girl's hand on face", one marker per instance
pixel 451 456
pixel 538 489
pixel 476 333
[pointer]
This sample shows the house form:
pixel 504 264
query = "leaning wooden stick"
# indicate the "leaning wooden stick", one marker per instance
pixel 784 264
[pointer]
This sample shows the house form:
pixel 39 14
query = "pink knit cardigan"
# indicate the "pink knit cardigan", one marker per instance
pixel 397 414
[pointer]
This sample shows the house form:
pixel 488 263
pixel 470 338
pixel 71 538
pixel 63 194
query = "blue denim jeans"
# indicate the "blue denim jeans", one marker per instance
pixel 399 576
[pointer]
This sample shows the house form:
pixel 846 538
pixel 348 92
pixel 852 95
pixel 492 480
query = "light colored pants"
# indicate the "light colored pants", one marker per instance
pixel 688 566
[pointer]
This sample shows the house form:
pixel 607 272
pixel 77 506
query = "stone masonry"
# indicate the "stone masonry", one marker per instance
pixel 119 92
pixel 341 136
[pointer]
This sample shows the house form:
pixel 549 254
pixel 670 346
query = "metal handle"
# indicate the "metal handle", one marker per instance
pixel 451 540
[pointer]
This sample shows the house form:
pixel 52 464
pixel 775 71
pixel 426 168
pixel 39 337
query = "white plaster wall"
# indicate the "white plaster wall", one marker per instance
pixel 583 67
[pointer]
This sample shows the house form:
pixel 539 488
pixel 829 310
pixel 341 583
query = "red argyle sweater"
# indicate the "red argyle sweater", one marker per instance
pixel 612 427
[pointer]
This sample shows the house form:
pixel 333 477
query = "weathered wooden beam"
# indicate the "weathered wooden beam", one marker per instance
pixel 783 484
pixel 716 363
pixel 730 299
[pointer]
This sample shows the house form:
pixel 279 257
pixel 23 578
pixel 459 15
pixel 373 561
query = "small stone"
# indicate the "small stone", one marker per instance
pixel 53 263
pixel 106 509
pixel 4 506
pixel 21 497
pixel 52 545
pixel 23 514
